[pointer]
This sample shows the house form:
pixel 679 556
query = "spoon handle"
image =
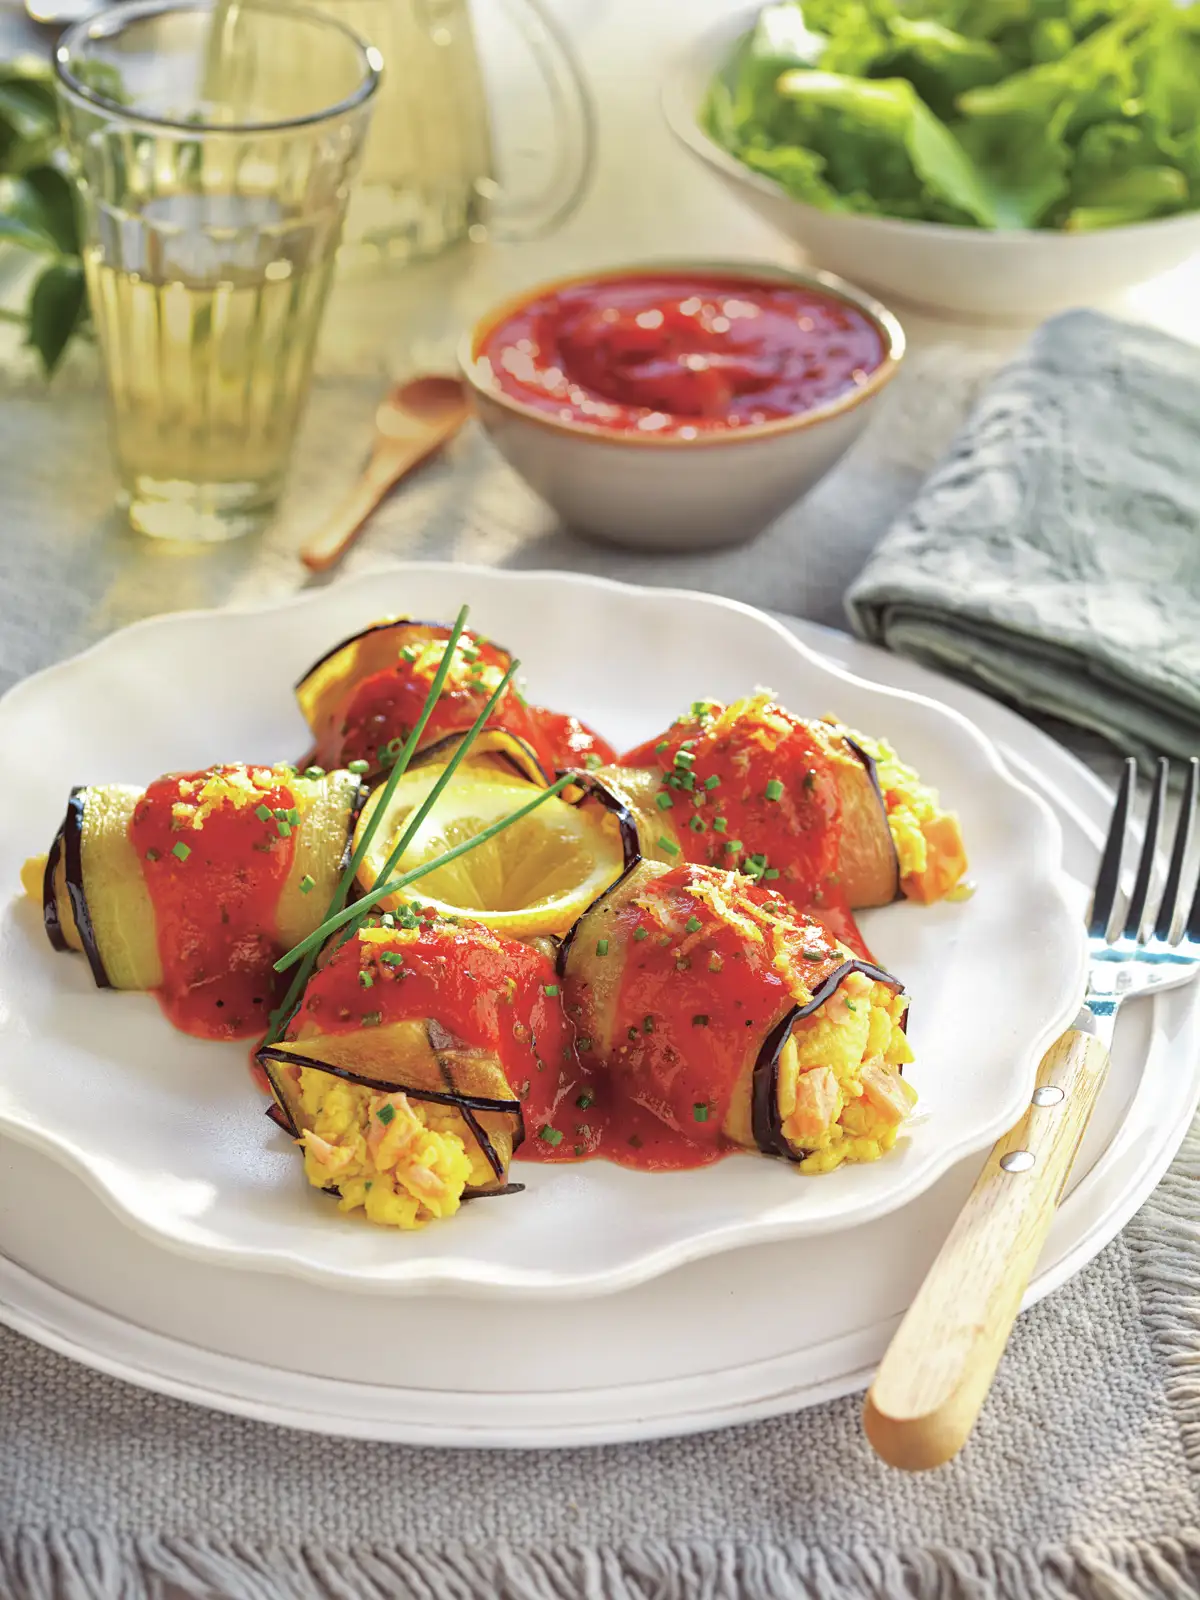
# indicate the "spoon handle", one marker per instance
pixel 326 547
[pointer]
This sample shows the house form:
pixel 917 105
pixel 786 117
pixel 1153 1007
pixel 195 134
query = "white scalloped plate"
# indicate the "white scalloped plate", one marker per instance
pixel 167 1130
pixel 719 1342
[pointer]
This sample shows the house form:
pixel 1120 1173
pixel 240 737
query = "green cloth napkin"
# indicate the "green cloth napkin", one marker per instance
pixel 1054 556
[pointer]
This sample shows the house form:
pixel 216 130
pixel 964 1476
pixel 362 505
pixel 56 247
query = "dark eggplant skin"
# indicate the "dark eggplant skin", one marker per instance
pixel 73 868
pixel 765 1120
pixel 50 918
pixel 630 844
pixel 872 772
pixel 378 627
pixel 465 1104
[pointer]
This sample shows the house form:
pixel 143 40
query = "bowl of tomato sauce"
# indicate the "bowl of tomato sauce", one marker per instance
pixel 678 406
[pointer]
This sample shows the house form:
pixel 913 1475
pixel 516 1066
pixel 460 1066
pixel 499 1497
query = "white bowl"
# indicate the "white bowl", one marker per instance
pixel 676 493
pixel 1015 275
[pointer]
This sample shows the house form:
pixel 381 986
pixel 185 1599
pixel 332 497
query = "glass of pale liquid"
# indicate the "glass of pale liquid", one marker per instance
pixel 214 152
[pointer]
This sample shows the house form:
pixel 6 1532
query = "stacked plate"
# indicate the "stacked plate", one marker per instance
pixel 153 1224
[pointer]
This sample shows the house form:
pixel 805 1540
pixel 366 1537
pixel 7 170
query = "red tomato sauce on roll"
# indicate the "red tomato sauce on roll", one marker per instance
pixel 569 742
pixel 215 891
pixel 724 793
pixel 681 353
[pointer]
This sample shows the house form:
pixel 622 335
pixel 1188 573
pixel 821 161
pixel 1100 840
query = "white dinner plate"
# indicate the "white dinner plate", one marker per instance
pixel 719 1342
pixel 167 1129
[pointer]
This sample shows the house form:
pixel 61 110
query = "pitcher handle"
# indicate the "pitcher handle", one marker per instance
pixel 533 216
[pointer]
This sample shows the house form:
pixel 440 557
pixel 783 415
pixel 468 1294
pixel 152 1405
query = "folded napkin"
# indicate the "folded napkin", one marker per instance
pixel 1054 556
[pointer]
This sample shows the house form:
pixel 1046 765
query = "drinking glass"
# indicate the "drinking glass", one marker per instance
pixel 214 152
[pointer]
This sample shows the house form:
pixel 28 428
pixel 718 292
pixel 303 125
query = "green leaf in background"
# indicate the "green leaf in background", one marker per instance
pixel 51 195
pixel 941 64
pixel 57 307
pixel 876 136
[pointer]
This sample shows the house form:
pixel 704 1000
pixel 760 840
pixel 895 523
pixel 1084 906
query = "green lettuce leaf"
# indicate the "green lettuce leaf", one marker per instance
pixel 877 136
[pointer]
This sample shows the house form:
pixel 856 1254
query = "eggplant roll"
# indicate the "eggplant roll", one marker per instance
pixel 831 817
pixel 403 1069
pixel 364 698
pixel 194 886
pixel 735 1019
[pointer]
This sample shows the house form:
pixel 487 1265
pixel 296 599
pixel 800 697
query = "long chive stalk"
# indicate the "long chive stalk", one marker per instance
pixel 361 907
pixel 296 987
pixel 448 772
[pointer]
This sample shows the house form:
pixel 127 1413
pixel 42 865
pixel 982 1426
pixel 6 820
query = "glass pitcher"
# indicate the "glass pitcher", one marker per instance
pixel 427 177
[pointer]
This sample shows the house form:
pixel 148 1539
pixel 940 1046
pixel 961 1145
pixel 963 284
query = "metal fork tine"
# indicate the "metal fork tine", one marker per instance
pixel 1145 871
pixel 1172 900
pixel 1108 880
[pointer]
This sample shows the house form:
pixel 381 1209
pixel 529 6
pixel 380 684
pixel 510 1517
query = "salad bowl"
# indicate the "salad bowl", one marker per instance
pixel 1011 275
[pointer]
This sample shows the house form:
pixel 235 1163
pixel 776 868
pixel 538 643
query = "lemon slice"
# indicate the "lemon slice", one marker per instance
pixel 534 878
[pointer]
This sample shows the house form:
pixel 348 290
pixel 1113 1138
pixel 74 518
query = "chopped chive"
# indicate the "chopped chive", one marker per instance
pixel 668 845
pixel 663 744
pixel 181 851
pixel 712 783
pixel 700 1020
pixel 283 828
pixel 635 1140
pixel 550 988
pixel 358 767
pixel 687 781
pixel 774 790
pixel 684 760
pixel 601 947
pixel 813 954
pixel 663 802
pixel 700 1111
pixel 263 813
pixel 372 1019
pixel 810 780
pixel 386 1113
pixel 408 654
pixel 307 883
pixel 719 824
pixel 640 933
pixel 366 979
pixel 647 1024
pixel 592 761
pixel 153 855
pixel 771 872
pixel 700 708
pixel 314 772
pixel 584 1100
pixel 550 1135
pixel 699 798
pixel 585 1043
pixel 388 920
pixel 698 825
pixel 671 781
pixel 293 817
pixel 715 963
pixel 392 958
pixel 579 1150
pixel 732 846
pixel 692 925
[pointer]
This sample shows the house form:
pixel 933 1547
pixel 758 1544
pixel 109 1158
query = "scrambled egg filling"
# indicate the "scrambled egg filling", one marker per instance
pixel 238 787
pixel 403 1162
pixel 927 838
pixel 841 1096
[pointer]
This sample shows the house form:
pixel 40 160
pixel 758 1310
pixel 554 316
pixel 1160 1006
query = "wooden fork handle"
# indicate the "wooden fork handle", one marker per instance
pixel 936 1373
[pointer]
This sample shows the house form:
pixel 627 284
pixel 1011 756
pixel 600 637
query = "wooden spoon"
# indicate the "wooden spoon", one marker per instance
pixel 414 419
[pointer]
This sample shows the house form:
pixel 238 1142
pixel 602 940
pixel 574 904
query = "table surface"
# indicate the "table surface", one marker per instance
pixel 71 572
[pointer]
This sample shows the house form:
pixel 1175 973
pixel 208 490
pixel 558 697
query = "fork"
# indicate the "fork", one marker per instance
pixel 936 1373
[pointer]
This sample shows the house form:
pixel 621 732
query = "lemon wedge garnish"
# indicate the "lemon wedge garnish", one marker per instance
pixel 537 877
